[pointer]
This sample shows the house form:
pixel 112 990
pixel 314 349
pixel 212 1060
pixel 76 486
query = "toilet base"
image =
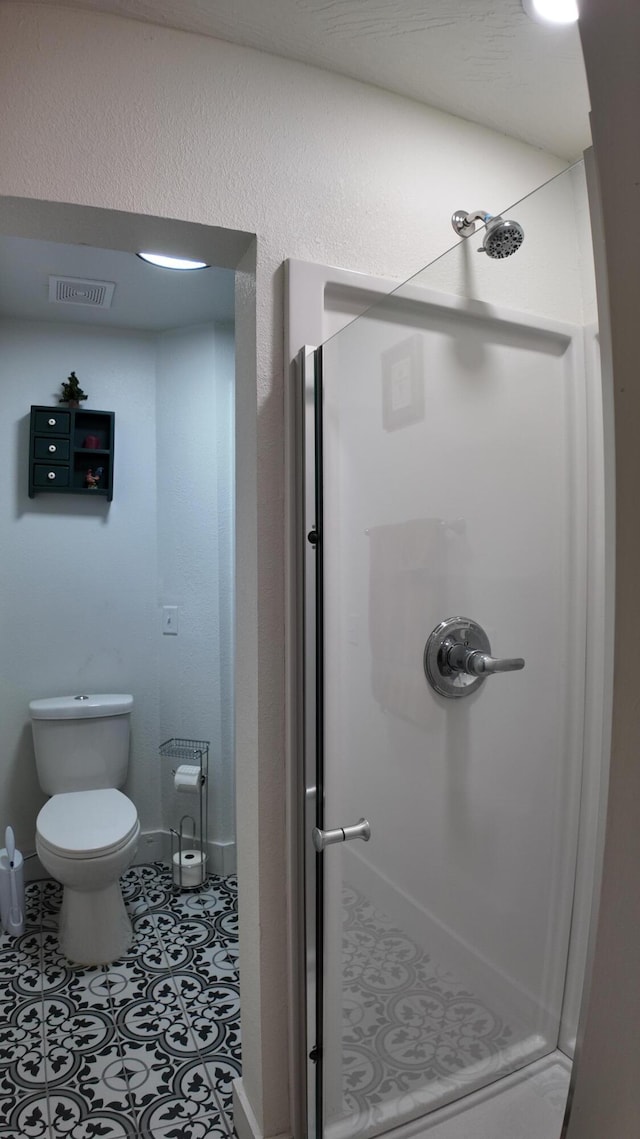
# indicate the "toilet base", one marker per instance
pixel 94 925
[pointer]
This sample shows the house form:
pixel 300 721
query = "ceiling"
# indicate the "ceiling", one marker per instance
pixel 145 297
pixel 483 60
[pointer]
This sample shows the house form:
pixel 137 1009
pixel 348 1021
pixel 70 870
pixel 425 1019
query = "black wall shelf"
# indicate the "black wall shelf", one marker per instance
pixel 60 460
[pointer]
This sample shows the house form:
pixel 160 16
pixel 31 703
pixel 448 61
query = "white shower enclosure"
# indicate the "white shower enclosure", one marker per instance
pixel 453 453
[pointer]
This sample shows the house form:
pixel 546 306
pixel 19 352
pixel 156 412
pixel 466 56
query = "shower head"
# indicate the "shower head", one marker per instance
pixel 502 237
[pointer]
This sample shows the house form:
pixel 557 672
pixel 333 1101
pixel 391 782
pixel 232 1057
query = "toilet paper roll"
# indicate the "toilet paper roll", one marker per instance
pixel 189 869
pixel 187 778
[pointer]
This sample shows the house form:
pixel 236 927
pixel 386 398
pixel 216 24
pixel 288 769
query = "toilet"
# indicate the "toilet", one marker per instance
pixel 87 833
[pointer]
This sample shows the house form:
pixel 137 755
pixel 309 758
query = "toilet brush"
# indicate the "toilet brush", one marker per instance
pixel 16 916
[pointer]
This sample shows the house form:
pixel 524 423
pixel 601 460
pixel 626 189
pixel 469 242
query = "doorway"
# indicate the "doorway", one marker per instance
pixel 111 569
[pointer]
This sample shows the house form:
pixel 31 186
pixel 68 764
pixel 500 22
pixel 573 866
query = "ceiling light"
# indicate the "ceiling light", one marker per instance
pixel 552 11
pixel 163 262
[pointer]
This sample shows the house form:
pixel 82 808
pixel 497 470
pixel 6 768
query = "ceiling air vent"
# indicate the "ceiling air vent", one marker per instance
pixel 77 291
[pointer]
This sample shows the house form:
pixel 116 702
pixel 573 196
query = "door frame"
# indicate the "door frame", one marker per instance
pixel 319 301
pixel 312 717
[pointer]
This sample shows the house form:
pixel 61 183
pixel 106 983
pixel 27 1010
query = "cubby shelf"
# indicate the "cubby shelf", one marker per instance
pixel 59 460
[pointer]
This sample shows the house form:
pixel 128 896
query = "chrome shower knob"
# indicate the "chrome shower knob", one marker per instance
pixel 457 658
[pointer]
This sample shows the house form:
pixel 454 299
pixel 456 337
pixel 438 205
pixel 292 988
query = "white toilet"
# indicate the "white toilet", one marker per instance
pixel 87 833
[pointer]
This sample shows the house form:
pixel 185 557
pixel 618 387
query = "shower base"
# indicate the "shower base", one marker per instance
pixel 529 1104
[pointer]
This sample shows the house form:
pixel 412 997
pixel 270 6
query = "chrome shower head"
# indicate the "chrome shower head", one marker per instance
pixel 501 239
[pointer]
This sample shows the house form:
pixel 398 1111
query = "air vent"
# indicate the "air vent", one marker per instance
pixel 76 291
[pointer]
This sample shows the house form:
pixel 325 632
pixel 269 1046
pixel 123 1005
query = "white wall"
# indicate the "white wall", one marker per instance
pixel 77 589
pixel 195 555
pixel 82 582
pixel 477 507
pixel 317 166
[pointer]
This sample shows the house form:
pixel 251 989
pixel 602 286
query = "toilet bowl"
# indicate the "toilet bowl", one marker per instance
pixel 86 840
pixel 87 834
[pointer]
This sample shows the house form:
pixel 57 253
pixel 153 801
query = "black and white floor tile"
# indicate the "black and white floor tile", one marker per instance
pixel 144 1048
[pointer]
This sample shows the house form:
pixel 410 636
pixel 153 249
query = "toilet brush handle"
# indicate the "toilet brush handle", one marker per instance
pixel 15 912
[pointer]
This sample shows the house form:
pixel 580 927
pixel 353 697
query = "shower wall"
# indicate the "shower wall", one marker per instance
pixel 458 447
pixel 492 525
pixel 552 275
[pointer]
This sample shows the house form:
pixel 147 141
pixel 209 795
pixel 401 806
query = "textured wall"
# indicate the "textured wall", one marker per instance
pixel 77 578
pixel 83 582
pixel 194 404
pixel 477 59
pixel 318 167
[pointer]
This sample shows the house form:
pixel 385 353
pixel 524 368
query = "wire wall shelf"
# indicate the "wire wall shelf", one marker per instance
pixel 189 836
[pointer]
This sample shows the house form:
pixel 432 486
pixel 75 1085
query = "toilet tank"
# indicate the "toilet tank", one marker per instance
pixel 81 742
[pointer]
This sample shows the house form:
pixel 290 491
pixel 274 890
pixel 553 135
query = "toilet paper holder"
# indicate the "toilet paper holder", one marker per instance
pixel 189 835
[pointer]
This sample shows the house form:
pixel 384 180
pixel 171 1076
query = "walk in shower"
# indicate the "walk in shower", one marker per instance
pixel 453 457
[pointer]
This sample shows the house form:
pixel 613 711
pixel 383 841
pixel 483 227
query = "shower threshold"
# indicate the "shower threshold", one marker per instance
pixel 529 1104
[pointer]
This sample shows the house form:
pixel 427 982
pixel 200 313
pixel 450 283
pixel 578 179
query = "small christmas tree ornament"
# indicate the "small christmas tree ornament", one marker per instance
pixel 72 393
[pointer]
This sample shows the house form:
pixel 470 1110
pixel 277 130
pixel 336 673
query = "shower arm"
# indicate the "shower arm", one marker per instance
pixel 464 223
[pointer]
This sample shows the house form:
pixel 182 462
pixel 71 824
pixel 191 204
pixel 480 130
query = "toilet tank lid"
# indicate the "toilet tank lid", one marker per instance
pixel 80 707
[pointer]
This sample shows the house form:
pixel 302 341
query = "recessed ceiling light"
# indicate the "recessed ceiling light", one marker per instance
pixel 552 11
pixel 163 262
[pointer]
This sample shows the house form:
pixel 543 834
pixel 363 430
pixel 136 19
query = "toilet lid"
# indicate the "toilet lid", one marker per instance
pixel 86 824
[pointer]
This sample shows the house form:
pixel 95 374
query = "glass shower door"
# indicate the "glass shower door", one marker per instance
pixel 450 450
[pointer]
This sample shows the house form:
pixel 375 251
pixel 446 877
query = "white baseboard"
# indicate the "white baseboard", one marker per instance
pixel 155 846
pixel 34 871
pixel 244 1121
pixel 222 858
pixel 151 848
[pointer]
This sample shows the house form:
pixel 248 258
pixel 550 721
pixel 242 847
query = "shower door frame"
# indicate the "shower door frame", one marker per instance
pixel 309 364
pixel 315 294
pixel 322 300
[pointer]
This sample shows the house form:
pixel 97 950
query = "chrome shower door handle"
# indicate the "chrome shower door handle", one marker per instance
pixel 321 838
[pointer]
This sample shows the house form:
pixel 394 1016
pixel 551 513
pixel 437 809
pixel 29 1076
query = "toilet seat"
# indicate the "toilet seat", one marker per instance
pixel 87 824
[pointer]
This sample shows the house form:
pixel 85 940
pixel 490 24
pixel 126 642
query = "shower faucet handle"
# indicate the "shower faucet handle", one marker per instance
pixel 461 658
pixel 457 658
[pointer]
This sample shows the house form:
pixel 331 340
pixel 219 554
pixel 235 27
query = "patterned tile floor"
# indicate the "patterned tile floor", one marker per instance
pixel 413 1036
pixel 146 1047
